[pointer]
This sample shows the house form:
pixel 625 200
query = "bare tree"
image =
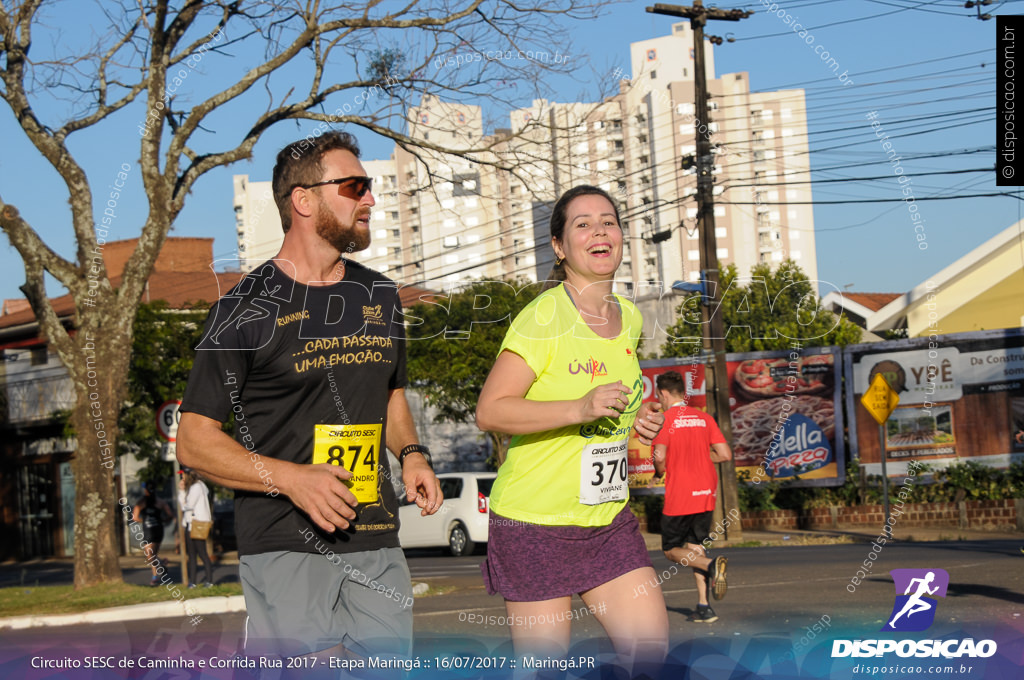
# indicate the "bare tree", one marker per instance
pixel 357 64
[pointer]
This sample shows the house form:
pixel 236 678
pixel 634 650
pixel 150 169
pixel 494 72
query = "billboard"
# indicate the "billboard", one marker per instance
pixel 961 396
pixel 786 412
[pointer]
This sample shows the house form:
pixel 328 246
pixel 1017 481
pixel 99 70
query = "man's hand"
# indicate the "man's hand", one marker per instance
pixel 421 485
pixel 649 421
pixel 320 492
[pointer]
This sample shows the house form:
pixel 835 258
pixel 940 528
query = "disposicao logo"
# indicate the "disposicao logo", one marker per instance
pixel 914 610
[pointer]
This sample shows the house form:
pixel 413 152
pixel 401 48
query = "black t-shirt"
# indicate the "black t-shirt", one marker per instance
pixel 152 517
pixel 284 357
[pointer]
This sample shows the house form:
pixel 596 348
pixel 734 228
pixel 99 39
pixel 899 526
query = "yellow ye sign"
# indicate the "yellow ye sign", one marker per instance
pixel 880 399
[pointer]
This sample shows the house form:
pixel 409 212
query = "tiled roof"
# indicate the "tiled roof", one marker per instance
pixel 181 276
pixel 873 301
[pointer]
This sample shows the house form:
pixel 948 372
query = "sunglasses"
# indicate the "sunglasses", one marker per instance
pixel 350 187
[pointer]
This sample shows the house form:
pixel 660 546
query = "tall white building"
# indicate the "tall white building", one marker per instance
pixel 759 142
pixel 257 222
pixel 441 219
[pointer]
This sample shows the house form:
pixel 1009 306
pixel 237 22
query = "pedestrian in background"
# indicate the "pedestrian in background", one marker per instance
pixel 197 519
pixel 685 452
pixel 567 385
pixel 152 513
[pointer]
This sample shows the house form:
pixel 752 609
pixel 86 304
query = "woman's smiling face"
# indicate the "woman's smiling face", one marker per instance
pixel 592 241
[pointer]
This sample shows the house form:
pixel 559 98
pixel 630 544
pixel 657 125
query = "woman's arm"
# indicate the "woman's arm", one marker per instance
pixel 200 502
pixel 503 406
pixel 190 499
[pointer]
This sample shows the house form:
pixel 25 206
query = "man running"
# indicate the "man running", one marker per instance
pixel 307 355
pixel 685 452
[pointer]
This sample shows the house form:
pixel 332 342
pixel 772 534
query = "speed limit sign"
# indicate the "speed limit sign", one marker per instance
pixel 167 417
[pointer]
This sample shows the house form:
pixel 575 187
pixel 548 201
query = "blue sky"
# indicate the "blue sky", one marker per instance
pixel 943 108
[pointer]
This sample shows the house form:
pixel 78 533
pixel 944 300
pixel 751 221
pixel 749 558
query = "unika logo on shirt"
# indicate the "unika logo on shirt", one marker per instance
pixel 590 366
pixel 373 315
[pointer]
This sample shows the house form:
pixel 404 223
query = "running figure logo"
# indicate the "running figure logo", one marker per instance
pixel 914 610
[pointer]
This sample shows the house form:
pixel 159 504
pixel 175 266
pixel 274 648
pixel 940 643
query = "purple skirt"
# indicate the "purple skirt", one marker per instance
pixel 531 562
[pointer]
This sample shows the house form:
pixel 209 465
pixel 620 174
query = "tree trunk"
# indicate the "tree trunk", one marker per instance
pixel 499 448
pixel 100 373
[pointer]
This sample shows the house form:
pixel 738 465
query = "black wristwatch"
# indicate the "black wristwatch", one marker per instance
pixel 415 448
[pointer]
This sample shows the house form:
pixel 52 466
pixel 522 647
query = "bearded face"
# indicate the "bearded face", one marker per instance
pixel 344 238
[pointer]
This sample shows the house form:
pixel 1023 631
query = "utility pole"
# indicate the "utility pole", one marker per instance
pixel 979 5
pixel 715 372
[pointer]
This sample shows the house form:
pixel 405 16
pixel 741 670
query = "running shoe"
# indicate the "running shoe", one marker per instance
pixel 704 615
pixel 716 578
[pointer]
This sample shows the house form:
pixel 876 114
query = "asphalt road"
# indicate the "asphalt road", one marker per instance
pixel 772 591
pixel 782 588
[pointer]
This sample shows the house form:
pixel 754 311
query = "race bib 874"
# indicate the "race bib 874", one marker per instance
pixel 355 448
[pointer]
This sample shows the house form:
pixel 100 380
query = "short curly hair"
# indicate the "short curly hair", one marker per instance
pixel 299 164
pixel 671 381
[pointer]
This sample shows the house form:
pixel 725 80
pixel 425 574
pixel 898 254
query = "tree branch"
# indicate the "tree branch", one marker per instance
pixel 38 258
pixel 53 149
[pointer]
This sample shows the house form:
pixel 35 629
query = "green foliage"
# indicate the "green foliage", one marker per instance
pixel 386 66
pixel 162 354
pixel 453 342
pixel 772 494
pixel 754 497
pixel 977 481
pixel 768 311
pixel 649 506
pixel 847 494
pixel 968 480
pixel 1015 480
pixel 895 334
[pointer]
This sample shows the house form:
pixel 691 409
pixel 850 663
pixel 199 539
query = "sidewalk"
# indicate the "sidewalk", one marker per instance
pixel 57 571
pixel 60 571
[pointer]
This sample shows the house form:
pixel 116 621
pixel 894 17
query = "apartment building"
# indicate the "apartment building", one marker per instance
pixel 759 145
pixel 443 219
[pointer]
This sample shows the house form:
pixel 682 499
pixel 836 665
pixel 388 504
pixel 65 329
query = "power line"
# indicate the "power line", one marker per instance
pixel 922 9
pixel 877 70
pixel 859 179
pixel 834 23
pixel 883 200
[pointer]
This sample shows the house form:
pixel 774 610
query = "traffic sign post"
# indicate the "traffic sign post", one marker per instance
pixel 167 417
pixel 880 400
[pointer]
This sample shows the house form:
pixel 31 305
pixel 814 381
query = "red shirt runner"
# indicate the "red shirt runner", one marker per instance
pixel 691 481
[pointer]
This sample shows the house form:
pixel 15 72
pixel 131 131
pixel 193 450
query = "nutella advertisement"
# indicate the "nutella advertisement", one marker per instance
pixel 785 408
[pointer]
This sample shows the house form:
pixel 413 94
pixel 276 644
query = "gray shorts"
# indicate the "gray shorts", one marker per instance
pixel 299 603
